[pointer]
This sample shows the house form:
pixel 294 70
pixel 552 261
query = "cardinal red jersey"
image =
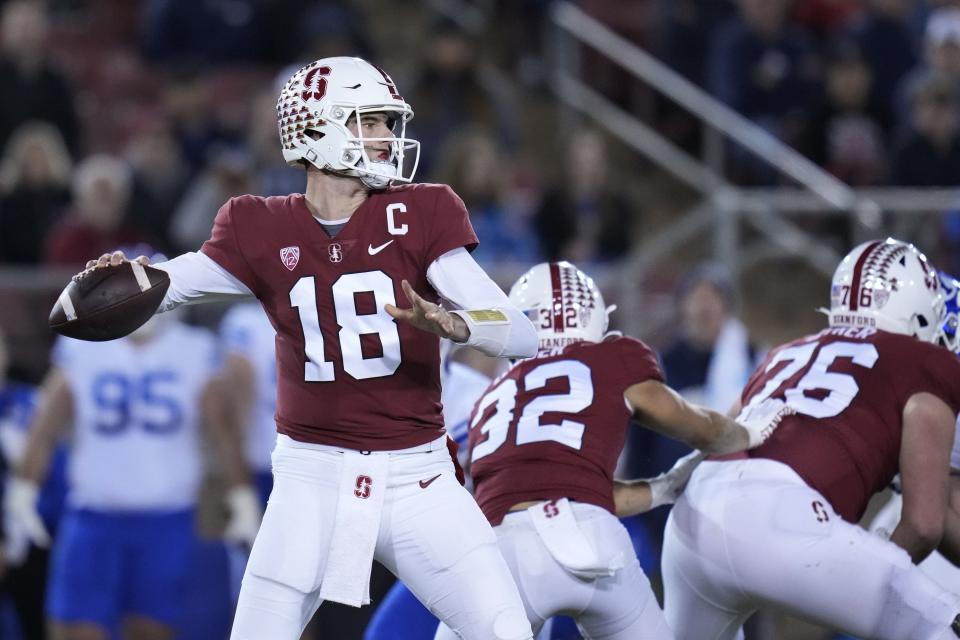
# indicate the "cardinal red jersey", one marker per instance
pixel 849 388
pixel 348 374
pixel 554 426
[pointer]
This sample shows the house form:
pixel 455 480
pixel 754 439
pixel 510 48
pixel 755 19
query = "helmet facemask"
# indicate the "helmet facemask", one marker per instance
pixel 374 172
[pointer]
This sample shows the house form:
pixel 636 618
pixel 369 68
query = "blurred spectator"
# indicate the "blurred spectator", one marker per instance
pixel 323 28
pixel 188 101
pixel 585 216
pixel 711 358
pixel 230 173
pixel 474 166
pixel 708 362
pixel 823 17
pixel 236 31
pixel 452 91
pixel 99 221
pixel 888 47
pixel 33 89
pixel 929 153
pixel 212 31
pixel 687 26
pixel 160 176
pixel 34 191
pixel 941 57
pixel 764 67
pixel 274 176
pixel 845 132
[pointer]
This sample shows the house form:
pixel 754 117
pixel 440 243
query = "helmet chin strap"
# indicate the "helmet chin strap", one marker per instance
pixel 387 170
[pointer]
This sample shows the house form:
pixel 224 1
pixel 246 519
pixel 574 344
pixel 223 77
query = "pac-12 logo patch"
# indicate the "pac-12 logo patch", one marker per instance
pixel 335 251
pixel 290 256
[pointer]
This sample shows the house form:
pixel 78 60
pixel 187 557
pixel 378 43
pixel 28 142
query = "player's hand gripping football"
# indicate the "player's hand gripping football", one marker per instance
pixel 116 258
pixel 427 316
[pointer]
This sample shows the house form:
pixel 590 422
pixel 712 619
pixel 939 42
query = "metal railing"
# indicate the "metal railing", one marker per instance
pixel 724 206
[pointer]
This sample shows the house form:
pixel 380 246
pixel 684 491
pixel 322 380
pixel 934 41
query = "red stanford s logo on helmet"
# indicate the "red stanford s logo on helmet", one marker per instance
pixel 319 100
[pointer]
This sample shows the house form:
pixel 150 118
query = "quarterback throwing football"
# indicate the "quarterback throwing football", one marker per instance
pixel 361 467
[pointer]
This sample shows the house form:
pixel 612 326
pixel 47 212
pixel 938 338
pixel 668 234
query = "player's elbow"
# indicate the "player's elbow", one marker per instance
pixel 527 341
pixel 923 534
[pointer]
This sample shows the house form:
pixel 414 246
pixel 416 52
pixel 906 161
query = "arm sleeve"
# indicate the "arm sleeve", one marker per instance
pixel 194 277
pixel 467 288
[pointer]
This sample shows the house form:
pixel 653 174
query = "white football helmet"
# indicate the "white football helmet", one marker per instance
pixel 317 102
pixel 563 303
pixel 890 285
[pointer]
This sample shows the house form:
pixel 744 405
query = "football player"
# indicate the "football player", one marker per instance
pixel 361 468
pixel 465 374
pixel 121 557
pixel 544 441
pixel 250 372
pixel 940 565
pixel 873 395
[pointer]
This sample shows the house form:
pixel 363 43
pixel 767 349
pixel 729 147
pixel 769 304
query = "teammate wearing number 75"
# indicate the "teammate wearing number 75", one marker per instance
pixel 361 466
pixel 874 393
pixel 544 440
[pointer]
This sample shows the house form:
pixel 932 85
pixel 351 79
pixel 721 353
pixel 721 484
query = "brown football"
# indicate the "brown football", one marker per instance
pixel 110 302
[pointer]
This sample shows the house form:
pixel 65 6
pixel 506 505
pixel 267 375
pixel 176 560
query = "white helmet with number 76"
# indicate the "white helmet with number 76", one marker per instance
pixel 888 284
pixel 563 303
pixel 319 100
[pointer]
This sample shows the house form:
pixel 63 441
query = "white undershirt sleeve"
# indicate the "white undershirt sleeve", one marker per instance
pixel 195 277
pixel 469 292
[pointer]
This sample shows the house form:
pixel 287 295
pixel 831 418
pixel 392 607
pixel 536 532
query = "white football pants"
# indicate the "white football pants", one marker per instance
pixel 943 572
pixel 751 533
pixel 433 537
pixel 619 607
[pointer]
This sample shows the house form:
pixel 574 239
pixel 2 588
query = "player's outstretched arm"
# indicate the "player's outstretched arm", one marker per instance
pixel 430 317
pixel 495 326
pixel 662 409
pixel 194 278
pixel 52 419
pixel 632 497
pixel 926 441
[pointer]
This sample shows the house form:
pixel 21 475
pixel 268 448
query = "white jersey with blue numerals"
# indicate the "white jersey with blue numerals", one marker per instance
pixel 246 331
pixel 137 417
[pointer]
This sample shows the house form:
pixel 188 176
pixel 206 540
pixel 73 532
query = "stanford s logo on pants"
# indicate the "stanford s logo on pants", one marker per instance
pixel 363 487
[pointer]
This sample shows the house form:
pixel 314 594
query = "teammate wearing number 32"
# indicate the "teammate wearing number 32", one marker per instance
pixel 544 441
pixel 361 466
pixel 874 394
